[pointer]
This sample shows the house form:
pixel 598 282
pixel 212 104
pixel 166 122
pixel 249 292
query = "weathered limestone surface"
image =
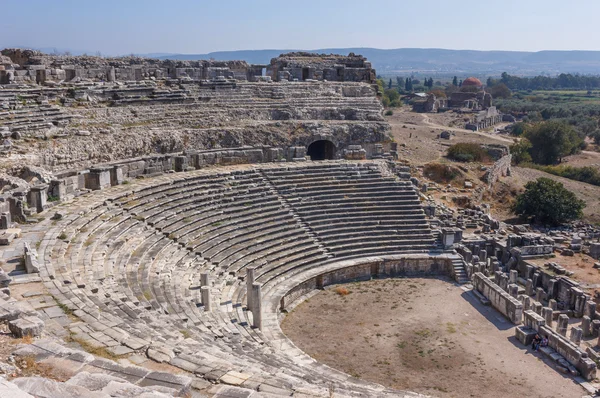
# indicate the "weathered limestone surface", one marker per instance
pixel 26 326
pixel 501 300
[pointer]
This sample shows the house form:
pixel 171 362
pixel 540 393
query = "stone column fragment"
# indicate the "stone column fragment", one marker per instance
pixel 547 314
pixel 249 282
pixel 256 306
pixel 563 322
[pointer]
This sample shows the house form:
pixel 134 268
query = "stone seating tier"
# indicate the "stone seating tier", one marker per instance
pixel 130 260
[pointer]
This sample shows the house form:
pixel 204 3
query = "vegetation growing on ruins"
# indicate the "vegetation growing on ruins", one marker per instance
pixel 549 202
pixel 467 152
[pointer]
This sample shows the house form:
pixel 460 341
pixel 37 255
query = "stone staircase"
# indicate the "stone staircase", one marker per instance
pixel 459 271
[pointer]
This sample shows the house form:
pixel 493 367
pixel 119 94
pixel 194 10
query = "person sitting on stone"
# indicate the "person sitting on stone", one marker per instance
pixel 535 344
pixel 544 342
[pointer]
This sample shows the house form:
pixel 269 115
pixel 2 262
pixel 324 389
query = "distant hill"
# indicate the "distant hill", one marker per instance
pixel 439 61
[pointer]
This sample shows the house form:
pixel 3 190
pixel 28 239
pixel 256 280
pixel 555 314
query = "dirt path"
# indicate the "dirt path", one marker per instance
pixel 423 335
pixel 427 120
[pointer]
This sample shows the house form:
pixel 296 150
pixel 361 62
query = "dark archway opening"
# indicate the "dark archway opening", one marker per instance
pixel 321 150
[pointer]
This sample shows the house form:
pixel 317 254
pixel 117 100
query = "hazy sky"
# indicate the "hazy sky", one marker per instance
pixel 198 26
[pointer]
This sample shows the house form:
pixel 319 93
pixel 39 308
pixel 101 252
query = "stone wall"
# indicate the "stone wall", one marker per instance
pixel 366 270
pixel 501 168
pixel 500 300
pixel 34 67
pixel 303 66
pixel 576 357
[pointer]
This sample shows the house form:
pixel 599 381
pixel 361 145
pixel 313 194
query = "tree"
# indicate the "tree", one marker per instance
pixel 455 81
pixel 390 84
pixel 595 135
pixel 549 202
pixel 517 129
pixel 392 96
pixel 500 91
pixel 399 82
pixel 460 84
pixel 520 151
pixel 551 141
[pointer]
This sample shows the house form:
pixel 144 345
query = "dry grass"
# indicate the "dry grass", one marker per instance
pixel 29 367
pixel 342 291
pixel 90 348
pixel 23 340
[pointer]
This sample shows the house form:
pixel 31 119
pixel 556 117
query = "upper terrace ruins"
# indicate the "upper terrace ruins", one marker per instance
pixel 30 66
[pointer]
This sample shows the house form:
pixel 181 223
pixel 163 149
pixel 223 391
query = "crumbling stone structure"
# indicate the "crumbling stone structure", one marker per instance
pixel 484 119
pixel 302 66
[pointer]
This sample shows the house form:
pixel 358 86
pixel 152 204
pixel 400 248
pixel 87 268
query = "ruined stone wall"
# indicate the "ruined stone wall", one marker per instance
pixel 34 67
pixel 501 168
pixel 500 300
pixel 331 67
pixel 576 357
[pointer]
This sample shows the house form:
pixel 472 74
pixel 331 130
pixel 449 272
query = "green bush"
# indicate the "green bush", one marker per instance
pixel 467 152
pixel 520 151
pixel 548 202
pixel 389 112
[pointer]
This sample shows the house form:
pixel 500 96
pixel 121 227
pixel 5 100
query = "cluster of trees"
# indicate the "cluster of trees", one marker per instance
pixel 548 202
pixel 546 143
pixel 583 117
pixel 562 81
pixel 390 97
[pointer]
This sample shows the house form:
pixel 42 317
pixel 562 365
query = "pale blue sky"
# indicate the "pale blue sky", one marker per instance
pixel 186 26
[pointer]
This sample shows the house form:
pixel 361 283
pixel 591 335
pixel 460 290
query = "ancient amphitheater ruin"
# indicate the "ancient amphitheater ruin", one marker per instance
pixel 168 215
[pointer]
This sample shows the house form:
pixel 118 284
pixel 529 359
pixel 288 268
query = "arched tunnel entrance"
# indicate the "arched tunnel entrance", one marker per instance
pixel 321 150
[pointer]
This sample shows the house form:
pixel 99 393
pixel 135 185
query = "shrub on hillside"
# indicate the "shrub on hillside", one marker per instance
pixel 467 152
pixel 549 202
pixel 441 173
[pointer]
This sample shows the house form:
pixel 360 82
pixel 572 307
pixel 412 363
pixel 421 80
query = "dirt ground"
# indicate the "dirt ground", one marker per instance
pixel 417 135
pixel 419 131
pixel 423 335
pixel 581 264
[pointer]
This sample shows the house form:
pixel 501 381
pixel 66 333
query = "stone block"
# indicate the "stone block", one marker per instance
pixel 525 335
pixel 26 326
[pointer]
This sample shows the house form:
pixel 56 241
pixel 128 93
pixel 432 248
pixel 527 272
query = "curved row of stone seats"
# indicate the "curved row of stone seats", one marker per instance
pixel 129 265
pixel 33 117
pixel 333 200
